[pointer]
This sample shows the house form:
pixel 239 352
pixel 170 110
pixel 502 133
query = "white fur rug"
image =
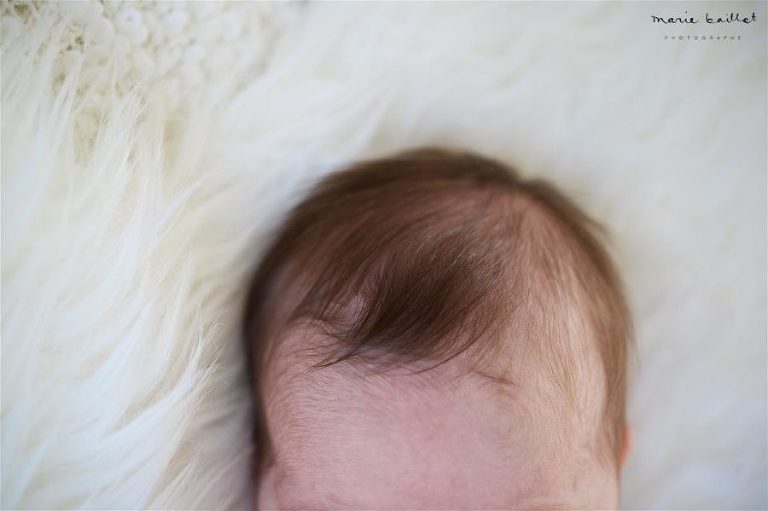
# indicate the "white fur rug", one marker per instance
pixel 147 149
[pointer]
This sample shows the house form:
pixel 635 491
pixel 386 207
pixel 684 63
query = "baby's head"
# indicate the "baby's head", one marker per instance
pixel 429 331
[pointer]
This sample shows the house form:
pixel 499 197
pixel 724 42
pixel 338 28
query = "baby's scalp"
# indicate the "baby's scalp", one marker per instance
pixel 444 263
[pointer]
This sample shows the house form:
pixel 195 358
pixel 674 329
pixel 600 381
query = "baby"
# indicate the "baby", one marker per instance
pixel 430 331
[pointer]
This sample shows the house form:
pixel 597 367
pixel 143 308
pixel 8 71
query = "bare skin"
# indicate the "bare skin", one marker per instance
pixel 449 438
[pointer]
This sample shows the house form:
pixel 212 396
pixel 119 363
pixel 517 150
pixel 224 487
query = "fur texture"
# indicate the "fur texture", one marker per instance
pixel 148 150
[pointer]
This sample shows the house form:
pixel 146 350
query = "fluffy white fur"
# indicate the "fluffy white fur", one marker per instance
pixel 145 162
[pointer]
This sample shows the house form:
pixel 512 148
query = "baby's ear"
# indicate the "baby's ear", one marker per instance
pixel 628 442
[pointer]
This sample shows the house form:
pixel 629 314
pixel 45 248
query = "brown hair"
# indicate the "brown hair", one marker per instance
pixel 424 255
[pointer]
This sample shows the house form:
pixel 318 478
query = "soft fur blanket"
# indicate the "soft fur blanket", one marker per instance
pixel 148 149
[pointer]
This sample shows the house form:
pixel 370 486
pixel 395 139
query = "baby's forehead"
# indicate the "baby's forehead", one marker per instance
pixel 357 429
pixel 511 382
